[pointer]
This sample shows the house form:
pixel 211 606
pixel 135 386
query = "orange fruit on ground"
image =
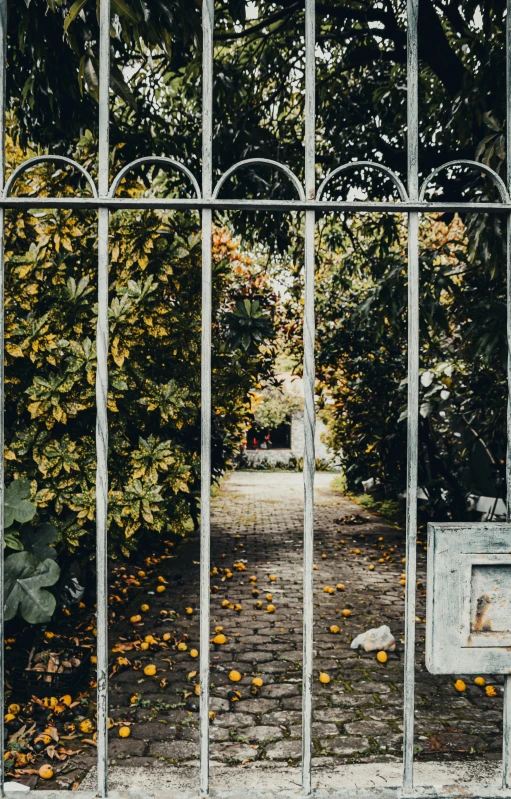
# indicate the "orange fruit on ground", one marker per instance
pixel 382 657
pixel 150 670
pixel 182 646
pixel 257 681
pixel 136 619
pixel 194 653
pixel 46 772
pixel 480 681
pixel 167 636
pixel 196 690
pixel 269 597
pixel 273 577
pixel 460 686
pixel 324 677
pixel 270 609
pixel 225 603
pixel 189 611
pixel 160 589
pixel 340 587
pixel 124 732
pixel 334 628
pixel 144 608
pixel 234 676
pixel 490 690
pixel 144 645
pixel 346 612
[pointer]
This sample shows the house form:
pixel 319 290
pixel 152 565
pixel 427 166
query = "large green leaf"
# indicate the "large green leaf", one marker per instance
pixel 25 580
pixel 17 505
pixel 38 541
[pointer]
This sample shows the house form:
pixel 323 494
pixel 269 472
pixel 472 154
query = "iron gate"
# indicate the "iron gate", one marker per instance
pixel 309 199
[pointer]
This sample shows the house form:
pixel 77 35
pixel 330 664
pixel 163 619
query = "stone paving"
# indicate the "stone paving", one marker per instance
pixel 257 519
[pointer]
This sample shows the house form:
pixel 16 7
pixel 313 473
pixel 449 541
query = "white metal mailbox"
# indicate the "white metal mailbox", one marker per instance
pixel 468 627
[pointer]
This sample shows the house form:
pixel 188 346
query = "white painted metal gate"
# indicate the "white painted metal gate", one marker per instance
pixel 309 199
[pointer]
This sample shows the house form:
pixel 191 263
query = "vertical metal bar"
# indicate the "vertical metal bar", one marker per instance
pixel 309 405
pixel 101 403
pixel 506 738
pixel 3 59
pixel 208 21
pixel 413 393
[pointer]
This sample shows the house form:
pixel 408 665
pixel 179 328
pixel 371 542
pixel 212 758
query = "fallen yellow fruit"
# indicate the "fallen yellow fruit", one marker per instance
pixel 66 700
pixel 86 726
pixel 144 609
pixel 150 670
pixel 9 717
pixel 270 609
pixel 189 611
pixel 220 639
pixel 257 682
pixel 480 681
pixel 225 603
pixel 269 597
pixel 167 636
pixel 346 612
pixel 371 567
pixel 490 690
pixel 144 645
pixel 382 657
pixel 323 556
pixel 196 690
pixel 334 628
pixel 149 639
pixel 124 732
pixel 160 589
pixel 460 686
pixel 194 653
pixel 15 709
pixel 46 772
pixel 182 646
pixel 273 577
pixel 234 676
pixel 324 677
pixel 135 619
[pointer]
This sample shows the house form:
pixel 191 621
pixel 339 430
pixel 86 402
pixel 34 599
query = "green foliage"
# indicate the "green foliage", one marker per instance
pixel 25 581
pixel 273 406
pixel 154 364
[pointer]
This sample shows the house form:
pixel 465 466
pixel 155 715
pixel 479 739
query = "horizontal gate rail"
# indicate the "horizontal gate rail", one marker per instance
pixel 410 200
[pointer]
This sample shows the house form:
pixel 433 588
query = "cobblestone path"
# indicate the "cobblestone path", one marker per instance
pixel 257 517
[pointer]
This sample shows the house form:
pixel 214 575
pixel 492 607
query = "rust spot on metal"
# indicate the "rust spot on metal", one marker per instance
pixel 482 625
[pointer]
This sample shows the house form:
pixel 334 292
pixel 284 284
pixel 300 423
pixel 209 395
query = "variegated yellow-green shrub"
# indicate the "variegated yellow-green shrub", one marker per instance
pixel 154 360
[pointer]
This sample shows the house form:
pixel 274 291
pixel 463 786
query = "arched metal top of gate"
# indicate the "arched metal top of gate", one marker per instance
pixel 411 199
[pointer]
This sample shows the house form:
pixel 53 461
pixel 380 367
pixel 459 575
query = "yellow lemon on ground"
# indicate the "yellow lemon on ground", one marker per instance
pixel 149 639
pixel 160 589
pixel 86 726
pixel 16 708
pixel 144 645
pixel 480 681
pixel 270 609
pixel 257 682
pixel 220 639
pixel 194 653
pixel 269 597
pixel 189 611
pixel 334 628
pixel 346 612
pixel 460 686
pixel 46 772
pixel 225 603
pixel 9 717
pixel 135 619
pixel 141 573
pixel 182 646
pixel 273 577
pixel 382 657
pixel 324 677
pixel 124 732
pixel 150 670
pixel 167 636
pixel 144 608
pixel 234 676
pixel 340 587
pixel 371 567
pixel 66 700
pixel 490 690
